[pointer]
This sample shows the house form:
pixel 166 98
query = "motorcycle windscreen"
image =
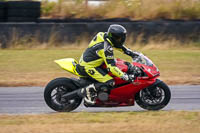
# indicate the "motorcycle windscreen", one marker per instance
pixel 68 64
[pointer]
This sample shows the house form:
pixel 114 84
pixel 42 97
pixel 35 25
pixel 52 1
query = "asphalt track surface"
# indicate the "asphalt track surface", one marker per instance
pixel 29 100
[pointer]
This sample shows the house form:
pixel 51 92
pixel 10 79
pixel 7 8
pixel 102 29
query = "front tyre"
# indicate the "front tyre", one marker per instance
pixel 154 98
pixel 53 95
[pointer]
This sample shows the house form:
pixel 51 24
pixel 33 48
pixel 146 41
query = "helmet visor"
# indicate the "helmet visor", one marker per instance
pixel 118 40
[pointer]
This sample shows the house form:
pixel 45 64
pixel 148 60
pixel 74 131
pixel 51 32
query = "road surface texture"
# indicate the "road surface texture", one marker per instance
pixel 29 100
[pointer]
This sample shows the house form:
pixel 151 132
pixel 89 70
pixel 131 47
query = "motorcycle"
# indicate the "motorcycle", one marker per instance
pixel 149 92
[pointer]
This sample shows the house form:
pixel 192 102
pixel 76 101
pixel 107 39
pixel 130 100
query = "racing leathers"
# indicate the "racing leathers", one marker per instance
pixel 99 51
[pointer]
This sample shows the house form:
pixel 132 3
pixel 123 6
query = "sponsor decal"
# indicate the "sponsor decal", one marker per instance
pixel 109 49
pixel 92 72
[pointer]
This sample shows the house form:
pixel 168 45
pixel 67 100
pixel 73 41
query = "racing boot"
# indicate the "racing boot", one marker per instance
pixel 90 94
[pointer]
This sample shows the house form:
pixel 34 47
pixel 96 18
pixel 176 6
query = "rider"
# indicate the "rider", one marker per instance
pixel 99 51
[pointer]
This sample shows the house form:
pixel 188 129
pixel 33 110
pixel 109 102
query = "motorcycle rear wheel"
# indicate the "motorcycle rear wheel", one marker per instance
pixel 154 98
pixel 53 95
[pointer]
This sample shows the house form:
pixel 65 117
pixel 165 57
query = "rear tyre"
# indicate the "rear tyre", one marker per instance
pixel 154 98
pixel 3 5
pixel 2 11
pixel 24 4
pixel 34 13
pixel 53 95
pixel 21 19
pixel 23 11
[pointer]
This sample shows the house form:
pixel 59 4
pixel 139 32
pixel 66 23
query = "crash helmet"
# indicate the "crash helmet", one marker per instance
pixel 117 35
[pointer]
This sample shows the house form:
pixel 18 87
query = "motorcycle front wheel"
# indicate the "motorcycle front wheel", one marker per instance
pixel 154 98
pixel 53 95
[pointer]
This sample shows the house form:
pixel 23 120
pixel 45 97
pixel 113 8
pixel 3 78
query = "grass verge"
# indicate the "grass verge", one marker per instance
pixel 112 122
pixel 36 67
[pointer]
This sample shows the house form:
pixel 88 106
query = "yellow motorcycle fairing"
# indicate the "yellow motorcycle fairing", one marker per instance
pixel 68 64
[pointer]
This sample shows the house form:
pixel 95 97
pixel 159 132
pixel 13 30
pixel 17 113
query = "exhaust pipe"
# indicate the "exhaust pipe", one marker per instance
pixel 73 94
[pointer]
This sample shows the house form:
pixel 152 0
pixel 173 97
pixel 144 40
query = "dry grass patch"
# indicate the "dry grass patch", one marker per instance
pixel 134 9
pixel 112 122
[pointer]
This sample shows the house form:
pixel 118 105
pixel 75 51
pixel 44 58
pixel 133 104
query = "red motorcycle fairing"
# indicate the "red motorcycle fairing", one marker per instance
pixel 124 93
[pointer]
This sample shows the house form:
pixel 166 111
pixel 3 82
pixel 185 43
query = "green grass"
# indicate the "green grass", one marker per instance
pixel 104 122
pixel 36 67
